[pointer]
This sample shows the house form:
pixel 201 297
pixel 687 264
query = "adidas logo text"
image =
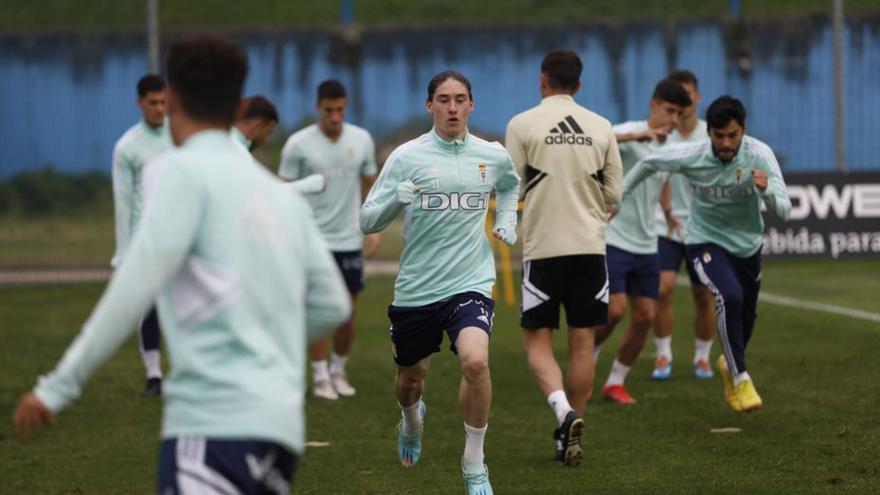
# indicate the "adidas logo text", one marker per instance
pixel 568 131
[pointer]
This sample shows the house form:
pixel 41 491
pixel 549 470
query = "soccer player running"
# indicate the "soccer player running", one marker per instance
pixel 671 250
pixel 731 175
pixel 340 157
pixel 257 122
pixel 572 168
pixel 633 270
pixel 441 183
pixel 133 152
pixel 224 248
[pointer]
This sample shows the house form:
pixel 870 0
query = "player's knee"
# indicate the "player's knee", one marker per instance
pixel 475 370
pixel 615 314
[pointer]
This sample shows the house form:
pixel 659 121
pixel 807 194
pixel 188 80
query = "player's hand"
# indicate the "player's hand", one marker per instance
pixel 406 191
pixel 31 413
pixel 611 211
pixel 658 135
pixel 759 177
pixel 371 244
pixel 673 225
pixel 506 233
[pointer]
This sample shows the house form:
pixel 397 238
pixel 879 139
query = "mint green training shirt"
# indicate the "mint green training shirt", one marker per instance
pixel 727 206
pixel 632 229
pixel 243 281
pixel 342 163
pixel 680 188
pixel 137 147
pixel 445 249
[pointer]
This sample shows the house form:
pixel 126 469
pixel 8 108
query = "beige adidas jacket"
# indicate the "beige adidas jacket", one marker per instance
pixel 570 164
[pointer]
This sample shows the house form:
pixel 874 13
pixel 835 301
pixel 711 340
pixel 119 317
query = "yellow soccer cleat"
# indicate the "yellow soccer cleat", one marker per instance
pixel 748 397
pixel 729 392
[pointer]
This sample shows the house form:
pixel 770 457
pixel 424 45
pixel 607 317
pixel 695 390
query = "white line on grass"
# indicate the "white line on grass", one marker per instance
pixel 801 304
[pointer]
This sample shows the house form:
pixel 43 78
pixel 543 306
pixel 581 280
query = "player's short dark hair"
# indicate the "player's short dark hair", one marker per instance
pixel 671 92
pixel 723 110
pixel 150 83
pixel 563 68
pixel 442 77
pixel 683 76
pixel 331 89
pixel 207 74
pixel 259 107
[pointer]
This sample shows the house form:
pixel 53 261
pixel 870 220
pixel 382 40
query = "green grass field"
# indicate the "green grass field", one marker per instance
pixel 818 433
pixel 102 14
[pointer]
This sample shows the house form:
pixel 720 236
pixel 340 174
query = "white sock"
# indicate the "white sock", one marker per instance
pixel 319 371
pixel 472 460
pixel 596 353
pixel 663 345
pixel 559 402
pixel 337 364
pixel 741 378
pixel 702 349
pixel 412 418
pixel 618 374
pixel 153 363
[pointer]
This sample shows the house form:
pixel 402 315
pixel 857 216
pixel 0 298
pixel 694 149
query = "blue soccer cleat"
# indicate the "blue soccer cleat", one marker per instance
pixel 477 483
pixel 702 370
pixel 409 446
pixel 662 369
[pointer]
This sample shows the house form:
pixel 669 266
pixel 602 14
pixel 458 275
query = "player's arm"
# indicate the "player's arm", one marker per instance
pixel 387 198
pixel 123 196
pixel 771 186
pixel 328 304
pixel 612 173
pixel 156 252
pixel 673 225
pixel 506 203
pixel 672 158
pixel 368 171
pixel 658 135
pixel 292 169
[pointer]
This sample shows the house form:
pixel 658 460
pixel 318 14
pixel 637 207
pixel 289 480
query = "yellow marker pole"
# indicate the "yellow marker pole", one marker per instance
pixel 504 253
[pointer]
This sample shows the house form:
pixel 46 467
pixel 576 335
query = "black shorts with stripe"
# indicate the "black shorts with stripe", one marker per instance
pixel 578 282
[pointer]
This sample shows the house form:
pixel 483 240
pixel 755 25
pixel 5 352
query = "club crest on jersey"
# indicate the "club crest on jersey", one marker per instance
pixel 739 173
pixel 481 168
pixel 350 152
pixel 707 258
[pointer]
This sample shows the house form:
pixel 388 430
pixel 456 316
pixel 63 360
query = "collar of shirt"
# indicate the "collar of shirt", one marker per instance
pixel 154 130
pixel 207 138
pixel 558 98
pixel 453 146
pixel 240 137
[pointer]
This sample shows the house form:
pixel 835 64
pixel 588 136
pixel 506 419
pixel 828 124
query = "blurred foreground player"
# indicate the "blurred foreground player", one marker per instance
pixel 243 283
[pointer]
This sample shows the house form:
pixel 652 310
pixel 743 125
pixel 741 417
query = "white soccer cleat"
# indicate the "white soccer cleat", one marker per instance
pixel 341 385
pixel 323 389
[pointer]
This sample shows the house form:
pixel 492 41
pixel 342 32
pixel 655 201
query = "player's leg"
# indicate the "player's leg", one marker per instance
pixel 149 339
pixel 643 282
pixel 670 254
pixel 716 270
pixel 321 385
pixel 416 333
pixel 619 263
pixel 704 327
pixel 352 266
pixel 749 275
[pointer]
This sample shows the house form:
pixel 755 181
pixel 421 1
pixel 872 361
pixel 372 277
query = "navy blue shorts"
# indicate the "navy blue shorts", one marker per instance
pixel 672 254
pixel 635 274
pixel 200 465
pixel 417 332
pixel 351 264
